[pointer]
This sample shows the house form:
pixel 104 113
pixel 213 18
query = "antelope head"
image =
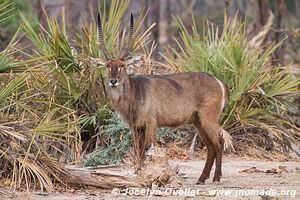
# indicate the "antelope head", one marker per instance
pixel 116 66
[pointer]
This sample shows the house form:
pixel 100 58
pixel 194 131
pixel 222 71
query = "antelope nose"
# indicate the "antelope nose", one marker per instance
pixel 113 81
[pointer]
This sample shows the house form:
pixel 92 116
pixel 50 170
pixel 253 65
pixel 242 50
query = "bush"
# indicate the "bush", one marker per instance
pixel 262 95
pixel 117 143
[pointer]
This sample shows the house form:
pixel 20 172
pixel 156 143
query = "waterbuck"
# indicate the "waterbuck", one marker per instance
pixel 147 102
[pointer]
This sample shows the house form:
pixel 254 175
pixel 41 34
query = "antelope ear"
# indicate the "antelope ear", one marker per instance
pixel 98 62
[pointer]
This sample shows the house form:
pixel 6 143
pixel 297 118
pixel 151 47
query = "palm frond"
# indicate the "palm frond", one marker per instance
pixel 259 91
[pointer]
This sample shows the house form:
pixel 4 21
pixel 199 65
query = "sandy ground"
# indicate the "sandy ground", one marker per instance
pixel 281 183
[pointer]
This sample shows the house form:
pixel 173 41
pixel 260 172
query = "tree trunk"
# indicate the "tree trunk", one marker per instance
pixel 51 7
pixel 76 14
pixel 279 34
pixel 147 5
pixel 100 180
pixel 154 172
pixel 297 4
pixel 163 28
pixel 156 19
pixel 241 7
pixel 263 11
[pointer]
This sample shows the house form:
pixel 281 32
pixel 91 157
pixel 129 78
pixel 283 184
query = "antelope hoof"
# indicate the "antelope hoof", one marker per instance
pixel 216 180
pixel 200 182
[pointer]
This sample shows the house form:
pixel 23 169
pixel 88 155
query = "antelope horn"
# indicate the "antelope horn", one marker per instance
pixel 101 40
pixel 127 46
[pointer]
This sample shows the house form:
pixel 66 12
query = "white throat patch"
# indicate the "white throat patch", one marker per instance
pixel 115 93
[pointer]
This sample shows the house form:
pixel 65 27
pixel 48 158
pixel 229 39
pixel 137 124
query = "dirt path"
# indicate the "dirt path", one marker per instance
pixel 284 180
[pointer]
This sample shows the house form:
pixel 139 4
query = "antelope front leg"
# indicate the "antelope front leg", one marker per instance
pixel 138 137
pixel 150 135
pixel 142 137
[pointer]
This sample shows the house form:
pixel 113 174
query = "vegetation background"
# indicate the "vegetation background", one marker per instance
pixel 53 105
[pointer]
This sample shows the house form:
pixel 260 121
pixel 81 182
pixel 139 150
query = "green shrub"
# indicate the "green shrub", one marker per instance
pixel 168 135
pixel 262 95
pixel 118 142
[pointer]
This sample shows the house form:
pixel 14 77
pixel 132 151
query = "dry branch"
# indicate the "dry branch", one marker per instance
pixel 101 180
pixel 258 39
pixel 155 172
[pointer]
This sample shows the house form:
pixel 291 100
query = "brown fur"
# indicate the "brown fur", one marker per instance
pixel 147 102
